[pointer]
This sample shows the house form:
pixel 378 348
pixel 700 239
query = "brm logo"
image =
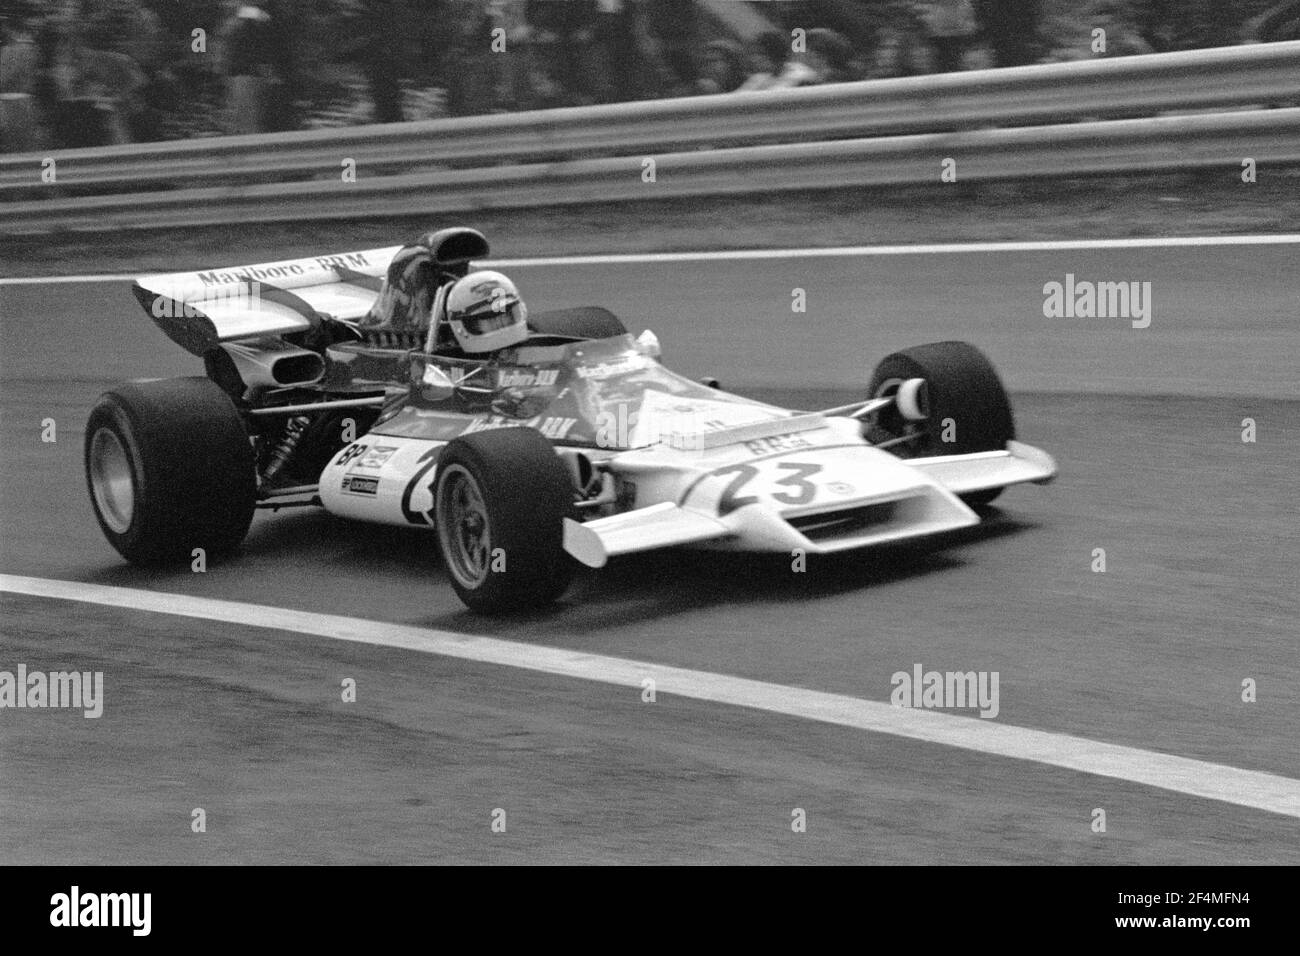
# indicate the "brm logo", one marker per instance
pixel 75 909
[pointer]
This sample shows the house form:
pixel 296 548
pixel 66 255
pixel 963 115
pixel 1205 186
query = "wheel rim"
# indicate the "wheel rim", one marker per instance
pixel 892 421
pixel 888 387
pixel 112 481
pixel 463 527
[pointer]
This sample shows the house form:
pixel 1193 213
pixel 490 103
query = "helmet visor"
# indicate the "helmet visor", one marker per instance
pixel 495 318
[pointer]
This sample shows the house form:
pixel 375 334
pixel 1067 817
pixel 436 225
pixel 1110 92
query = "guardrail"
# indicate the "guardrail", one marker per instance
pixel 401 166
pixel 1175 142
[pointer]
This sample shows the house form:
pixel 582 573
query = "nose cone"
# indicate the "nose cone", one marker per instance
pixel 813 478
pixel 828 499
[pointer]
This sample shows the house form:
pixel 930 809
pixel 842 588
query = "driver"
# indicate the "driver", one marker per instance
pixel 483 312
pixel 477 317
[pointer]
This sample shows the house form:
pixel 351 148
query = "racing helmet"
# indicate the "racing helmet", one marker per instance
pixel 485 313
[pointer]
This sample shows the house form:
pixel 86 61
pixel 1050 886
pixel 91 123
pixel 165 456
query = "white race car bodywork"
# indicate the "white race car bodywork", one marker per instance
pixel 803 482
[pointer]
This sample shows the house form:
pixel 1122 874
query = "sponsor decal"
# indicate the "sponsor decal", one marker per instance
pixel 553 427
pixel 516 378
pixel 485 422
pixel 375 457
pixel 360 485
pixel 777 443
pixel 249 275
pixel 840 488
pixel 349 260
pixel 283 271
pixel 349 454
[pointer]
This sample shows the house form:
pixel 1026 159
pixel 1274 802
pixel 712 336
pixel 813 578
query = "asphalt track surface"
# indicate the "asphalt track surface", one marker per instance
pixel 246 721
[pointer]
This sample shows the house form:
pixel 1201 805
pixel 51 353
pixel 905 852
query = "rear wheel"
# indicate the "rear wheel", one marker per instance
pixel 963 407
pixel 170 468
pixel 500 500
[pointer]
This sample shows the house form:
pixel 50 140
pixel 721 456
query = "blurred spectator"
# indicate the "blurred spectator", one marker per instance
pixel 830 56
pixel 19 56
pixel 1280 22
pixel 767 53
pixel 142 39
pixel 248 54
pixel 91 96
pixel 676 27
pixel 82 72
pixel 1191 24
pixel 381 57
pixel 615 43
pixel 464 56
pixel 626 52
pixel 19 60
pixel 950 26
pixel 125 28
pixel 513 69
pixel 563 36
pixel 115 83
pixel 1122 35
pixel 1012 29
pixel 724 67
pixel 773 66
pixel 899 44
pixel 827 58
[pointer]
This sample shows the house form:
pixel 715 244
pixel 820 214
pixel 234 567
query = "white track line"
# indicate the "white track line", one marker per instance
pixel 827 253
pixel 1246 788
pixel 65 280
pixel 903 250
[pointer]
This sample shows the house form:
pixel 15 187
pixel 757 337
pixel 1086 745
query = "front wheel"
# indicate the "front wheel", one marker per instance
pixel 963 408
pixel 170 469
pixel 500 500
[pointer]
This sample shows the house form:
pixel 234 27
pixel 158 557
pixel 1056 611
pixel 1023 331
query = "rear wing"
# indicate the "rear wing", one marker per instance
pixel 200 310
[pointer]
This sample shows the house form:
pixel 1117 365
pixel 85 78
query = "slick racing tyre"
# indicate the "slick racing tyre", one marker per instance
pixel 590 322
pixel 170 469
pixel 500 500
pixel 962 409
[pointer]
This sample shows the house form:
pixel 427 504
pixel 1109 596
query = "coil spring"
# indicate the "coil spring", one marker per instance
pixel 293 431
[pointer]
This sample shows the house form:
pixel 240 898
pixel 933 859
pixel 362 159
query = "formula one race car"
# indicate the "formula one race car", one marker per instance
pixel 402 387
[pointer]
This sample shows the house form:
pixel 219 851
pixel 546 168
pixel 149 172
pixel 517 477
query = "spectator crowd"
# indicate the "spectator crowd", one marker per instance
pixel 103 72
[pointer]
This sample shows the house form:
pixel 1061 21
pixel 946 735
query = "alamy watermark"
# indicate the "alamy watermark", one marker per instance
pixel 75 908
pixel 1084 299
pixel 53 689
pixel 954 690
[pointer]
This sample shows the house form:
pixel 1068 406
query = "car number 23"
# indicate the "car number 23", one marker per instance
pixel 797 489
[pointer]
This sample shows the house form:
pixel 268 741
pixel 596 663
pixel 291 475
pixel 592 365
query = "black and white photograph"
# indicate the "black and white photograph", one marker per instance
pixel 651 433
